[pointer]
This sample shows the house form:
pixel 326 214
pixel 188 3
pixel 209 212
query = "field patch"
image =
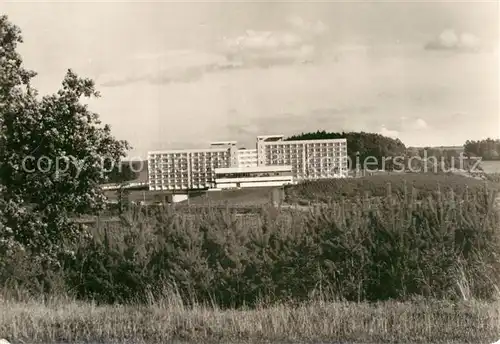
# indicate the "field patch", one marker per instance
pixel 422 185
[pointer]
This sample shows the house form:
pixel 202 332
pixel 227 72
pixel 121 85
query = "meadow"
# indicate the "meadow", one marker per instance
pixel 491 167
pixel 427 184
pixel 63 320
pixel 409 263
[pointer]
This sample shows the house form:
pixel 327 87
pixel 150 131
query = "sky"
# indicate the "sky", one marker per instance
pixel 183 74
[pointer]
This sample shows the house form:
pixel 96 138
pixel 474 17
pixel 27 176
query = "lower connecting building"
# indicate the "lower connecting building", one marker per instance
pixel 274 161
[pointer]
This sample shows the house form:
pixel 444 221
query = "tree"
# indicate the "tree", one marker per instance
pixel 54 154
pixel 124 172
pixel 123 198
pixel 487 149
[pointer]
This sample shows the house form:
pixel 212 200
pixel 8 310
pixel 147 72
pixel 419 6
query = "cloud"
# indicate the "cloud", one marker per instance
pixel 268 48
pixel 316 28
pixel 263 40
pixel 408 124
pixel 389 133
pixel 114 82
pixel 420 124
pixel 169 67
pixel 325 113
pixel 253 49
pixel 300 36
pixel 450 40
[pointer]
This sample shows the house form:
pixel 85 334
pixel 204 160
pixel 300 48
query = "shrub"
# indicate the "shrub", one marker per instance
pixel 396 247
pixel 400 246
pixel 424 184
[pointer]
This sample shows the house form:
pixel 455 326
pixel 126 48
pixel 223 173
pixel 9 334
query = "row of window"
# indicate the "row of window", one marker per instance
pixel 310 160
pixel 225 162
pixel 196 178
pixel 253 174
pixel 179 177
pixel 183 162
pixel 308 163
pixel 309 146
pixel 153 178
pixel 199 153
pixel 190 156
pixel 282 145
pixel 178 187
pixel 180 181
pixel 184 182
pixel 306 147
pixel 184 169
pixel 300 153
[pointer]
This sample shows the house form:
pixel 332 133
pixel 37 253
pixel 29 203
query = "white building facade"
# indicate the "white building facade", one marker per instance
pixel 189 169
pixel 258 176
pixel 274 162
pixel 310 159
pixel 247 157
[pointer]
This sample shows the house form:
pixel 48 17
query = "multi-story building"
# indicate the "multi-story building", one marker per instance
pixel 196 168
pixel 255 176
pixel 190 168
pixel 310 159
pixel 247 157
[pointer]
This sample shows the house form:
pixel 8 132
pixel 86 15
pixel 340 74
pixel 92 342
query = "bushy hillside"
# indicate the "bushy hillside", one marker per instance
pixel 422 184
pixel 376 249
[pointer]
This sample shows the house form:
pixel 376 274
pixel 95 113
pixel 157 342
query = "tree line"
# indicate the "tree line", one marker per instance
pixel 125 171
pixel 487 149
pixel 361 145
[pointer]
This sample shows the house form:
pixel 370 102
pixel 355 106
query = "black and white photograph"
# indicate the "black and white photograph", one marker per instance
pixel 245 172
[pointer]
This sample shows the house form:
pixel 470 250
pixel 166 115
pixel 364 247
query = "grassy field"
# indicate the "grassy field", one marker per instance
pixel 329 190
pixel 491 167
pixel 69 321
pixel 251 196
pixel 423 184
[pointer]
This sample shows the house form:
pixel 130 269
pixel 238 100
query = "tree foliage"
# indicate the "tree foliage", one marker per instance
pixel 53 154
pixel 398 246
pixel 487 149
pixel 125 172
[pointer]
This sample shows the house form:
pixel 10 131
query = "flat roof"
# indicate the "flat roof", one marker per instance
pixel 277 168
pixel 220 143
pixel 309 141
pixel 192 150
pixel 270 138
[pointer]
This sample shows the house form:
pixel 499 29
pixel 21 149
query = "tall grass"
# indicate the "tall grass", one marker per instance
pixel 168 319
